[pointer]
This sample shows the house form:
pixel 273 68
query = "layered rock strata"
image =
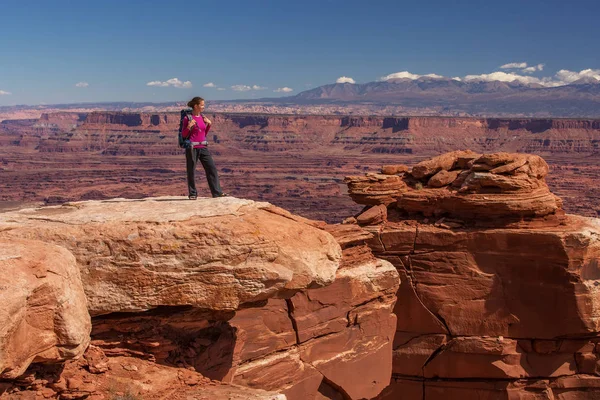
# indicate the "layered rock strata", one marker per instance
pixel 123 133
pixel 234 291
pixel 464 185
pixel 499 295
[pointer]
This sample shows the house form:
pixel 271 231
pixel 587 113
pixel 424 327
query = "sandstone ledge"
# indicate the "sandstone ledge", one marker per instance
pixel 217 254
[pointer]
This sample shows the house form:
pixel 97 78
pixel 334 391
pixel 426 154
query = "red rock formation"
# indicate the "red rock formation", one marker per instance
pixel 302 316
pixel 153 133
pixel 374 189
pixel 44 317
pixel 464 185
pixel 498 296
pixel 215 255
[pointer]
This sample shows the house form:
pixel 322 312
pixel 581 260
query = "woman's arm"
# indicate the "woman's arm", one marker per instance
pixel 186 127
pixel 208 123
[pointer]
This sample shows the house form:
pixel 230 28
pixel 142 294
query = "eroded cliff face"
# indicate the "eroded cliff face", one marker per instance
pixel 193 299
pixel 499 295
pixel 120 133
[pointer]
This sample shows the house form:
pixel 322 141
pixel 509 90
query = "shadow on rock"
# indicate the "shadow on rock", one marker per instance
pixel 176 336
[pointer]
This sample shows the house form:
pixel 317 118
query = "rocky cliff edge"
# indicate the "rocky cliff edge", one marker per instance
pixel 499 295
pixel 190 298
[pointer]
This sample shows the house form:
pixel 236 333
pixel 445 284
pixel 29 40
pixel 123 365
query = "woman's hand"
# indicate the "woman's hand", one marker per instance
pixel 191 123
pixel 207 121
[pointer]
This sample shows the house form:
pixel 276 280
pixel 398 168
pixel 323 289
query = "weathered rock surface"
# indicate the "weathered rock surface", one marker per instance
pixel 333 341
pixel 373 216
pixel 499 292
pixel 394 169
pixel 308 315
pixel 501 282
pixel 123 377
pixel 43 317
pixel 344 334
pixel 136 255
pixel 375 189
pixel 444 162
pixel 466 185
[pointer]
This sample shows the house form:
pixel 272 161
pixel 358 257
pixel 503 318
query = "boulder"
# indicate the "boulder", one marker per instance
pixel 394 169
pixel 444 162
pixel 375 189
pixel 44 317
pixel 373 216
pixel 443 178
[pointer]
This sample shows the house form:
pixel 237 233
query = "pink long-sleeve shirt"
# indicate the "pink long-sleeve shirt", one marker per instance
pixel 198 131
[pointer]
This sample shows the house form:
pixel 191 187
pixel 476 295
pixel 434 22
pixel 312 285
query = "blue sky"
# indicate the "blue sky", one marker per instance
pixel 167 50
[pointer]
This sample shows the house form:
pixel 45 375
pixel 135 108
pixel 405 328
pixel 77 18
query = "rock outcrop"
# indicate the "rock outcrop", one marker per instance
pixel 464 185
pixel 196 295
pixel 499 295
pixel 212 254
pixel 43 317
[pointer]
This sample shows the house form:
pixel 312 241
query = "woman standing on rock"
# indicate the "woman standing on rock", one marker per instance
pixel 195 131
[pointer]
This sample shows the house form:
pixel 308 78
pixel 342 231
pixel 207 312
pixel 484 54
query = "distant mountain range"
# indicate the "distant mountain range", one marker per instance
pixel 425 96
pixel 450 96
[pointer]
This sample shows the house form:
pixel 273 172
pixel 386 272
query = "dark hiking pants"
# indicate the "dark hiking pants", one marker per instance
pixel 192 156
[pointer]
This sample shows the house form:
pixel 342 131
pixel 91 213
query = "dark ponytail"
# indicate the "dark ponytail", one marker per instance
pixel 194 101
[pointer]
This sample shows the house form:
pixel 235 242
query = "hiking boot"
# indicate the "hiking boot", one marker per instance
pixel 221 195
pixel 192 197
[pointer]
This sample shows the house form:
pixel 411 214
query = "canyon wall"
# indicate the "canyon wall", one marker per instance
pixel 119 133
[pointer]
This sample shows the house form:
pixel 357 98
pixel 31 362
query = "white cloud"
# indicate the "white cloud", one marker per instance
pixel 503 77
pixel 283 90
pixel 561 78
pixel 533 68
pixel 82 84
pixel 175 82
pixel 436 76
pixel 565 76
pixel 515 65
pixel 246 88
pixel 241 88
pixel 4 93
pixel 345 79
pixel 209 84
pixel 220 88
pixel 408 75
pixel 157 83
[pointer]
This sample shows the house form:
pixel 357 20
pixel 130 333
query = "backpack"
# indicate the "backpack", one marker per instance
pixel 183 142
